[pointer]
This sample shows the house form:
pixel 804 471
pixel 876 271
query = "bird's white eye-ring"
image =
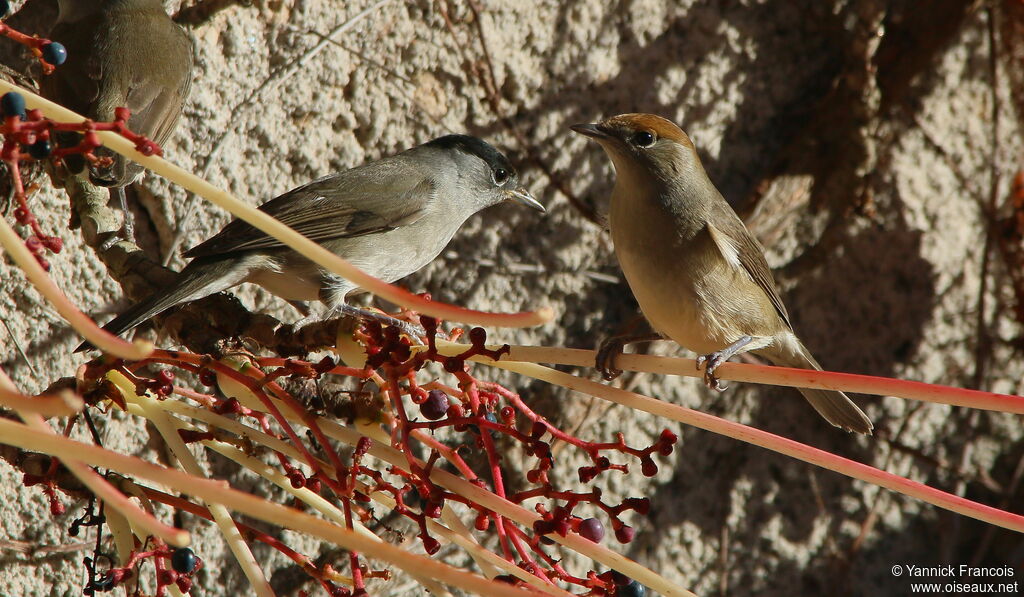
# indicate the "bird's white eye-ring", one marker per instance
pixel 500 176
pixel 642 139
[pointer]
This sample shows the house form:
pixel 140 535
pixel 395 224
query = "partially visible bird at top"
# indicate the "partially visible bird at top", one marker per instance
pixel 120 53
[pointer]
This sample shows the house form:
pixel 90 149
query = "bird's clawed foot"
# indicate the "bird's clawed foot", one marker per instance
pixel 416 332
pixel 611 348
pixel 711 362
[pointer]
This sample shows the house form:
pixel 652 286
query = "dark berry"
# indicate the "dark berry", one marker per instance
pixel 412 498
pixel 184 560
pixel 478 336
pixel 54 53
pixel 490 417
pixel 40 150
pixel 12 104
pixel 633 589
pixel 207 377
pixel 592 529
pixel 435 406
pixel 625 533
pixel 430 545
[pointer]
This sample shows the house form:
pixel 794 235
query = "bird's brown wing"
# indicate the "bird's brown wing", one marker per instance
pixel 156 99
pixel 357 202
pixel 750 255
pixel 154 94
pixel 157 108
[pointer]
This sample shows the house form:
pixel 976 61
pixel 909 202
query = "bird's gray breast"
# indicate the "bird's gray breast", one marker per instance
pixel 394 254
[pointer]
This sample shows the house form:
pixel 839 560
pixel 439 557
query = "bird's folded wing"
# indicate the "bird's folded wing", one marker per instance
pixel 740 248
pixel 357 202
pixel 155 99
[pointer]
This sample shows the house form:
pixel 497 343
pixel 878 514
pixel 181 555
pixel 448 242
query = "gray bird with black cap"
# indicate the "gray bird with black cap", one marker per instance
pixel 390 218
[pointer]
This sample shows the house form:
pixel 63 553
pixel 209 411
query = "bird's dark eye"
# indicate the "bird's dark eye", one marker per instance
pixel 500 176
pixel 642 139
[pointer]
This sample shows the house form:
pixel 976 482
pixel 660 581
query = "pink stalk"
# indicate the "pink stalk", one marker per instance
pixel 219 492
pixel 64 404
pixel 769 441
pixel 82 323
pixel 781 376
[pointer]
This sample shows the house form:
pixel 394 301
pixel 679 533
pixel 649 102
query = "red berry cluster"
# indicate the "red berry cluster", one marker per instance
pixel 183 565
pixel 28 136
pixel 490 412
pixel 470 425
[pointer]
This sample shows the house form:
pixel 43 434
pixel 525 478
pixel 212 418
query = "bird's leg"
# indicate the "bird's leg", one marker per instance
pixel 716 358
pixel 128 227
pixel 127 231
pixel 611 348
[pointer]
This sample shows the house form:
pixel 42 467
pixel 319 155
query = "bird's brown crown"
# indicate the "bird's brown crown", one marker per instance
pixel 663 128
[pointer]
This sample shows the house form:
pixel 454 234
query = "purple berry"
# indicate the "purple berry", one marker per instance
pixel 625 533
pixel 592 530
pixel 435 406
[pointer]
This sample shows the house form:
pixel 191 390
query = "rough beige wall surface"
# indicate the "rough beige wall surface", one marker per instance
pixel 857 137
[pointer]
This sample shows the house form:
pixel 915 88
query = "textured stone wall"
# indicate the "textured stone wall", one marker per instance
pixel 864 141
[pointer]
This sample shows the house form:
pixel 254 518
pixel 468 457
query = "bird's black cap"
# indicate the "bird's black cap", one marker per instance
pixel 474 146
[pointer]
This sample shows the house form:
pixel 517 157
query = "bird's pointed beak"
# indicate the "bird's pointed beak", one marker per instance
pixel 523 196
pixel 590 130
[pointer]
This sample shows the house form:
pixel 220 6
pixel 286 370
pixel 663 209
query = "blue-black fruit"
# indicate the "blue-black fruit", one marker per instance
pixel 12 104
pixel 184 560
pixel 40 150
pixel 55 53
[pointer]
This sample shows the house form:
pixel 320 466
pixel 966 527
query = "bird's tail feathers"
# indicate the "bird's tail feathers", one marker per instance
pixel 194 282
pixel 834 405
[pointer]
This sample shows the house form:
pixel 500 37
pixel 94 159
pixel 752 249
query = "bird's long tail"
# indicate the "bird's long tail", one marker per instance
pixel 834 405
pixel 194 282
